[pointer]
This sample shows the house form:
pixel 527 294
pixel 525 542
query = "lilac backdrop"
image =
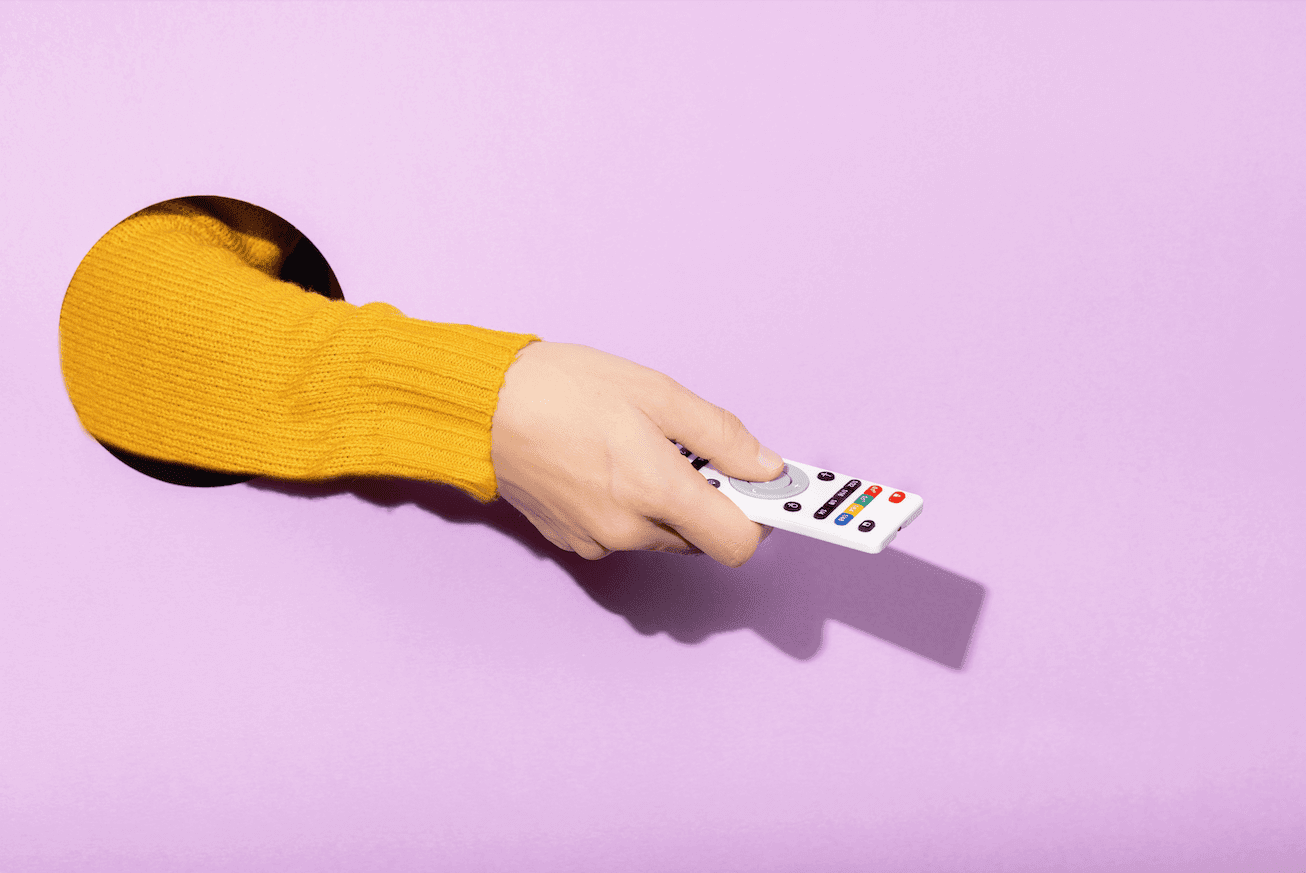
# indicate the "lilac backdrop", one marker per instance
pixel 1042 264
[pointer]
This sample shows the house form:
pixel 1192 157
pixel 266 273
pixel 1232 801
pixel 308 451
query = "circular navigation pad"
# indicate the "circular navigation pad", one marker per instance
pixel 790 482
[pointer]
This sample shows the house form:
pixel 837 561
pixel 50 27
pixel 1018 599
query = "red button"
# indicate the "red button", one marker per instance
pixel 896 497
pixel 874 491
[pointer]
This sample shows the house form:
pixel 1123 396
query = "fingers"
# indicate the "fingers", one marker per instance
pixel 699 513
pixel 709 521
pixel 693 519
pixel 714 433
pixel 650 537
pixel 638 532
pixel 719 535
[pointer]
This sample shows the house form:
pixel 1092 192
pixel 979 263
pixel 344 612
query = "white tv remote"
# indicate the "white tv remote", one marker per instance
pixel 858 513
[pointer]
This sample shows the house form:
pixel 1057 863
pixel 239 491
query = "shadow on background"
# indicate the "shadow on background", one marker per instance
pixel 785 593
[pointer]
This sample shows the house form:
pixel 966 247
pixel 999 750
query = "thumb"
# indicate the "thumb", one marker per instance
pixel 718 435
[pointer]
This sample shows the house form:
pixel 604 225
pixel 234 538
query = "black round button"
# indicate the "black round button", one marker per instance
pixel 793 507
pixel 866 525
pixel 715 483
pixel 825 475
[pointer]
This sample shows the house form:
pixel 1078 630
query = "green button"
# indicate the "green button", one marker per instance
pixel 864 499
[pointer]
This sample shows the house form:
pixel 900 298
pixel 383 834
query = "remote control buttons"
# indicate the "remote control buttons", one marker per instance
pixel 789 483
pixel 825 476
pixel 864 499
pixel 868 525
pixel 791 506
pixel 896 497
pixel 699 463
pixel 839 497
pixel 853 509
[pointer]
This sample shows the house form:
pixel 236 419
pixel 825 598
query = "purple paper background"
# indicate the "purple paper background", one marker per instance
pixel 1042 264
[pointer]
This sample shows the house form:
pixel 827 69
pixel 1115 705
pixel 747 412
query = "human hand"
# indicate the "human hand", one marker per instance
pixel 580 443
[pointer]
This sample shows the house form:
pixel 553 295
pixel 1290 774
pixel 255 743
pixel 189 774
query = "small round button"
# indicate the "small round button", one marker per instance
pixel 866 525
pixel 791 506
pixel 715 483
pixel 825 476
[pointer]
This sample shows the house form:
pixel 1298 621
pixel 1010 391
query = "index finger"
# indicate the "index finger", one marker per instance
pixel 711 521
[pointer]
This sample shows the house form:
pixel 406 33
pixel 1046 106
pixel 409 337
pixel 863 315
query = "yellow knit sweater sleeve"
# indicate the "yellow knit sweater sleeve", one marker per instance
pixel 179 342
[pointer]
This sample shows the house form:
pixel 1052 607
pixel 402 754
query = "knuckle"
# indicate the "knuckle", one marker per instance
pixel 731 427
pixel 644 494
pixel 660 496
pixel 666 384
pixel 739 554
pixel 622 535
pixel 631 493
pixel 661 391
pixel 591 551
pixel 665 497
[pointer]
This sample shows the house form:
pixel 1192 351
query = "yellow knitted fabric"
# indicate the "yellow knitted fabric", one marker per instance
pixel 179 342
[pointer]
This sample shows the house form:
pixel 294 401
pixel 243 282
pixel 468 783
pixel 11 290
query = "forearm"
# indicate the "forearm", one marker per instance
pixel 179 342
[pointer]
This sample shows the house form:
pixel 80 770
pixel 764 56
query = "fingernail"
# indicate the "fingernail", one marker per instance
pixel 768 458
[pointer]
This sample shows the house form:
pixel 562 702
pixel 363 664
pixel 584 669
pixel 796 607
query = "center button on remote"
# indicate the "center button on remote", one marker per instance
pixel 789 483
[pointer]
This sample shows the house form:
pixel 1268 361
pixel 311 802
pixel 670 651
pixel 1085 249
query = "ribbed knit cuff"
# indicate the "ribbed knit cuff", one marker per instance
pixel 430 391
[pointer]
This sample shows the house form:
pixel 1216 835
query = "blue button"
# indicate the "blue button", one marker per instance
pixel 844 518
